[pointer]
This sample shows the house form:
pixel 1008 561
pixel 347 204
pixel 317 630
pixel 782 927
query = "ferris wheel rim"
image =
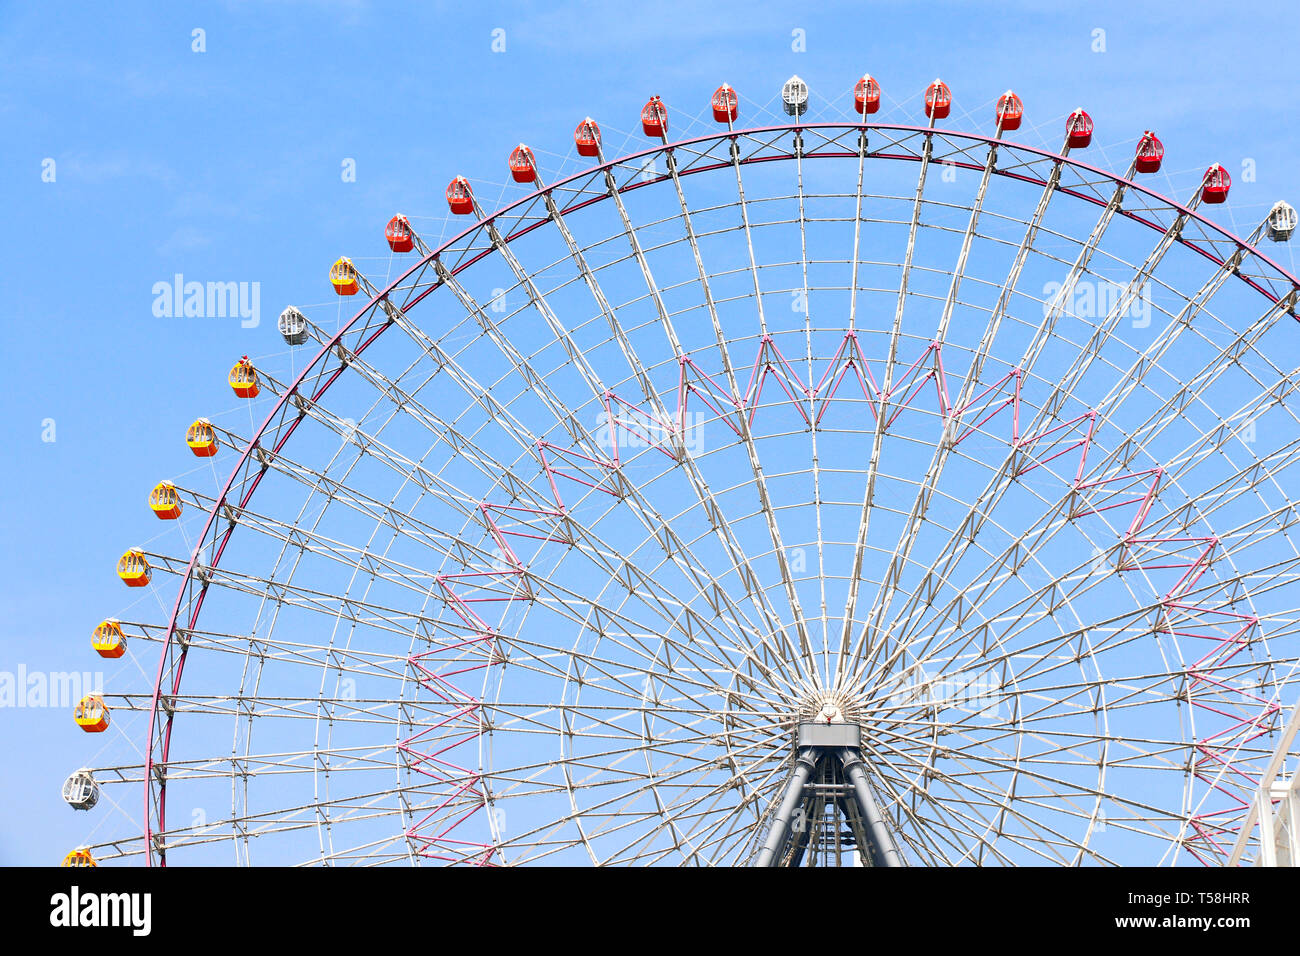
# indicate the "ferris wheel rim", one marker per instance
pixel 1128 183
pixel 162 730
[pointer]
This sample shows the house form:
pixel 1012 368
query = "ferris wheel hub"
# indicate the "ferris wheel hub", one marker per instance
pixel 829 707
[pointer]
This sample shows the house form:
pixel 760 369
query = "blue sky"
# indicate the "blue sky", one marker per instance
pixel 225 165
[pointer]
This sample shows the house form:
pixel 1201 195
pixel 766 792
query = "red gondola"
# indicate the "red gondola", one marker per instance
pixel 460 197
pixel 1010 111
pixel 399 235
pixel 938 100
pixel 1078 129
pixel 1215 186
pixel 866 95
pixel 523 168
pixel 1150 151
pixel 654 118
pixel 726 104
pixel 587 138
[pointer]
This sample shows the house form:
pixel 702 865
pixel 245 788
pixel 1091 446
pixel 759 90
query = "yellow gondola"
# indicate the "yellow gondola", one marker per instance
pixel 91 714
pixel 243 379
pixel 133 569
pixel 343 276
pixel 202 439
pixel 108 639
pixel 165 500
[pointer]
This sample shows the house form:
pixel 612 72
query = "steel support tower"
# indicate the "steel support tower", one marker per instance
pixel 827 813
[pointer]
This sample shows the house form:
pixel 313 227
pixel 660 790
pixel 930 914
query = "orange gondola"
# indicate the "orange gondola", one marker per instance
pixel 108 639
pixel 133 569
pixel 165 501
pixel 79 858
pixel 202 439
pixel 91 714
pixel 243 379
pixel 344 277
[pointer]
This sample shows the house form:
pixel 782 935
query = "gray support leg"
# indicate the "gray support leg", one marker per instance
pixel 886 853
pixel 793 796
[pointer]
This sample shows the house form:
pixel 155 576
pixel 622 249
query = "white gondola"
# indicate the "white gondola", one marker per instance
pixel 293 326
pixel 80 790
pixel 794 96
pixel 1281 221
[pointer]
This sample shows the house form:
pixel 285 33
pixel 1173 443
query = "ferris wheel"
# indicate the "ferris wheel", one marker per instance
pixel 822 491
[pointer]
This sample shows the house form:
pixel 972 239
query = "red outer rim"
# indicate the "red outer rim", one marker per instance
pixel 255 440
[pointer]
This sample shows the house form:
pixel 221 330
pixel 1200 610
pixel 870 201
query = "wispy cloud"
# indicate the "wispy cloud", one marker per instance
pixel 184 239
pixel 99 168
